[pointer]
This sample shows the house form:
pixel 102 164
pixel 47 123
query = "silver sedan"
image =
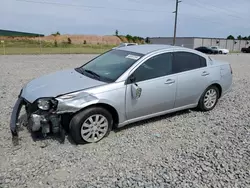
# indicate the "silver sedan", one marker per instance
pixel 119 87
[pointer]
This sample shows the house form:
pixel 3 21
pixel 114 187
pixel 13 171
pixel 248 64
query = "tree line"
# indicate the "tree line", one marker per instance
pixel 238 37
pixel 133 39
pixel 126 38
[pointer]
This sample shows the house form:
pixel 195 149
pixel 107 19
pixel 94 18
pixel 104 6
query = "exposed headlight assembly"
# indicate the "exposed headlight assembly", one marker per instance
pixel 43 104
pixel 46 104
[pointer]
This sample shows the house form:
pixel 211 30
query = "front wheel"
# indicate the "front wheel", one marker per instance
pixel 91 125
pixel 209 99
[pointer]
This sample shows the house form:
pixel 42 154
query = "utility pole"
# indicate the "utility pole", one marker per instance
pixel 175 23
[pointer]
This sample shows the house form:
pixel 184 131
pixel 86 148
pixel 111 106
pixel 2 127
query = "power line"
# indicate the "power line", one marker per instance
pixel 201 18
pixel 90 7
pixel 209 8
pixel 209 20
pixel 148 3
pixel 224 9
pixel 135 10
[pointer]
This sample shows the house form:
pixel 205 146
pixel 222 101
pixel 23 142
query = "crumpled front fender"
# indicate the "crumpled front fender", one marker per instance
pixel 76 103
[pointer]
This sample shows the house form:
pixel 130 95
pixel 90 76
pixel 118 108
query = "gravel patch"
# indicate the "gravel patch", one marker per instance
pixel 184 149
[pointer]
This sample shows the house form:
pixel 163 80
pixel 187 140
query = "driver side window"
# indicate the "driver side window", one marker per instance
pixel 155 67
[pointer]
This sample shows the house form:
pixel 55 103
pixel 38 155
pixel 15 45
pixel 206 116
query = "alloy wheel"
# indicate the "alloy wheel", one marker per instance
pixel 210 98
pixel 94 128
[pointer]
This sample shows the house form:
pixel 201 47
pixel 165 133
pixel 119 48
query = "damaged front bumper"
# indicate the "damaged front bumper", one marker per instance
pixel 49 119
pixel 37 120
pixel 14 116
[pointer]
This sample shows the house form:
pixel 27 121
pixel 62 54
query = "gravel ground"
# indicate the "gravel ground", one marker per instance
pixel 185 149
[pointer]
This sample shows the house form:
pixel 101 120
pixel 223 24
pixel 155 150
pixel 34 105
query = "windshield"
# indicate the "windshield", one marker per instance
pixel 109 66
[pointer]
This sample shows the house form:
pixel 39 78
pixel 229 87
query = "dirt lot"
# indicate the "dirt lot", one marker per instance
pixel 187 149
pixel 75 39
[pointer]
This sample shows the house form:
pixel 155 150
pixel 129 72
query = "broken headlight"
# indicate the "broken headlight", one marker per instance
pixel 46 104
pixel 43 104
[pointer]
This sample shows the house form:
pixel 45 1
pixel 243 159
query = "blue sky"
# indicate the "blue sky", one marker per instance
pixel 203 18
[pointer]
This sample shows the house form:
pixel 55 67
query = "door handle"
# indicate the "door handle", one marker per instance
pixel 169 81
pixel 205 73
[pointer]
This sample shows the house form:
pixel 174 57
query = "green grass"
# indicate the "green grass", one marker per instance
pixel 53 50
pixel 12 47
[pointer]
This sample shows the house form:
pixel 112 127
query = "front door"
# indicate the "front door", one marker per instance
pixel 156 84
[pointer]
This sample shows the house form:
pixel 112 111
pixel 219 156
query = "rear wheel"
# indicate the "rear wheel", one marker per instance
pixel 209 99
pixel 91 125
pixel 220 52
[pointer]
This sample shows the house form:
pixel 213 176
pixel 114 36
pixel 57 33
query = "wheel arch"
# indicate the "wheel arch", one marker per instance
pixel 219 87
pixel 106 106
pixel 212 84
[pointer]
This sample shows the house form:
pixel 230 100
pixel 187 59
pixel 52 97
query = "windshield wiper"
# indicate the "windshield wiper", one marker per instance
pixel 92 73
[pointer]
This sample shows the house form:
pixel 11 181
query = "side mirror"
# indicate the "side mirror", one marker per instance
pixel 136 91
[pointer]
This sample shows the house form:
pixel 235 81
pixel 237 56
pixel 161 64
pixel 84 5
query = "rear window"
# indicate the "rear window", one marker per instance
pixel 203 62
pixel 185 61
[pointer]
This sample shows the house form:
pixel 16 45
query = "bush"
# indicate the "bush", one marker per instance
pixel 69 41
pixel 130 38
pixel 55 43
pixel 55 34
pixel 84 42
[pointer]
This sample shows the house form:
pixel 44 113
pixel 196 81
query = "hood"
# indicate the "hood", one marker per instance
pixel 58 83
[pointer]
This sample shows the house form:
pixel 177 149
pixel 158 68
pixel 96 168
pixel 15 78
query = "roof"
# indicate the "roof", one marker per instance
pixel 18 34
pixel 146 48
pixel 215 38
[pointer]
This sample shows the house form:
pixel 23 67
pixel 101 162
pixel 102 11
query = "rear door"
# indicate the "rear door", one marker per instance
pixel 192 76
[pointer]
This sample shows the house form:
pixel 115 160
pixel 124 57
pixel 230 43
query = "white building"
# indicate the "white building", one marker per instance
pixel 194 42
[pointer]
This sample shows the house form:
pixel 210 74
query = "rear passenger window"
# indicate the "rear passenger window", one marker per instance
pixel 203 62
pixel 185 61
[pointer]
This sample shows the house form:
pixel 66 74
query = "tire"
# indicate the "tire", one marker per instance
pixel 220 52
pixel 78 122
pixel 202 106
